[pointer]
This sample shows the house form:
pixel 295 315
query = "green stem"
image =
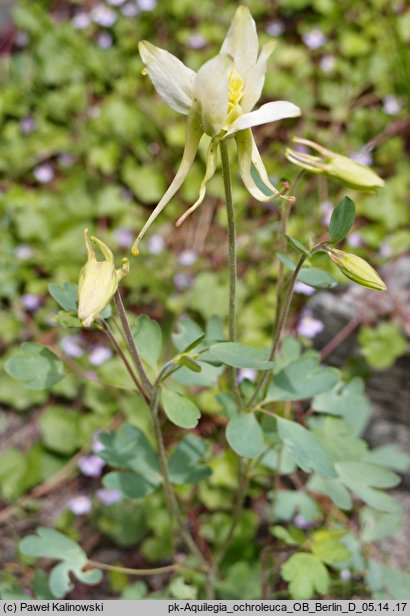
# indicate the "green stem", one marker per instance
pixel 172 502
pixel 131 342
pixel 284 215
pixel 236 514
pixel 113 340
pixel 105 567
pixel 230 210
pixel 280 326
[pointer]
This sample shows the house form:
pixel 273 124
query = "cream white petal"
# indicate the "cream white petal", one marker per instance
pixel 250 161
pixel 241 42
pixel 256 78
pixel 172 80
pixel 211 162
pixel 211 89
pixel 193 137
pixel 271 112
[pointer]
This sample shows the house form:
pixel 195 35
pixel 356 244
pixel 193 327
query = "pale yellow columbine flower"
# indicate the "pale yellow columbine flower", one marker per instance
pixel 218 101
pixel 98 281
pixel 348 171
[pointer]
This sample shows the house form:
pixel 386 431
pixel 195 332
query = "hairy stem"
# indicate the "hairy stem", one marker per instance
pixel 280 326
pixel 172 502
pixel 284 215
pixel 230 210
pixel 131 342
pixel 236 514
pixel 113 340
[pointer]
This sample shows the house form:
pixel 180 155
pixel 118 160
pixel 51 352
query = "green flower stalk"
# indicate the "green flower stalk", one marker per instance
pixel 98 281
pixel 357 269
pixel 349 172
pixel 218 101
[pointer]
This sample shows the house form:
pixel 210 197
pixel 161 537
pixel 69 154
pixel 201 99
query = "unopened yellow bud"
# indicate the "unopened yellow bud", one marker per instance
pixel 357 269
pixel 98 281
pixel 349 172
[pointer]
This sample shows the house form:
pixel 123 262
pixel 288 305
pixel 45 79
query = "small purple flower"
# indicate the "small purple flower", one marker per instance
pixel 187 257
pixel 23 252
pixel 308 326
pixel 79 505
pixel 300 522
pixel 147 5
pixel 326 209
pixel 72 346
pixel 314 39
pixel 327 63
pixel 303 289
pixel 182 281
pixel 299 147
pixel 275 28
pixel 115 2
pixel 345 575
pixel 246 374
pixel 196 41
pixel 81 21
pixel 355 239
pixel 108 497
pixel 103 16
pixel 156 244
pixel 97 446
pixel 44 173
pixel 385 250
pixel 104 40
pixel 391 105
pixel 99 355
pixel 363 156
pixel 66 160
pixel 22 39
pixel 31 302
pixel 124 237
pixel 28 125
pixel 130 10
pixel 91 466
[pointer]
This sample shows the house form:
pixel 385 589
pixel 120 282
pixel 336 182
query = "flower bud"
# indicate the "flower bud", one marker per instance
pixel 356 269
pixel 98 281
pixel 349 172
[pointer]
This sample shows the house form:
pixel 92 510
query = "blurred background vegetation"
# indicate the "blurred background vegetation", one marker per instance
pixel 85 142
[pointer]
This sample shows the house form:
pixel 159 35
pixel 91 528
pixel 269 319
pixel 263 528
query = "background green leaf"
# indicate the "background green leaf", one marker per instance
pixel 36 366
pixel 49 543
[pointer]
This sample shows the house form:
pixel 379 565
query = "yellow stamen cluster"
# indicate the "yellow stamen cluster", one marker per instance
pixel 235 90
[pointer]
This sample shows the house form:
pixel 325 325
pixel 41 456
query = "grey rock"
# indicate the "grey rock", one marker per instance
pixel 388 390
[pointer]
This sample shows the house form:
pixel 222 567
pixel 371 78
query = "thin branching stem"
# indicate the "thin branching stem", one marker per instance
pixel 279 327
pixel 113 340
pixel 172 502
pixel 146 383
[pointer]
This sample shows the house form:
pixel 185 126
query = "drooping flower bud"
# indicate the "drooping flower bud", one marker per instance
pixel 98 281
pixel 357 269
pixel 349 172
